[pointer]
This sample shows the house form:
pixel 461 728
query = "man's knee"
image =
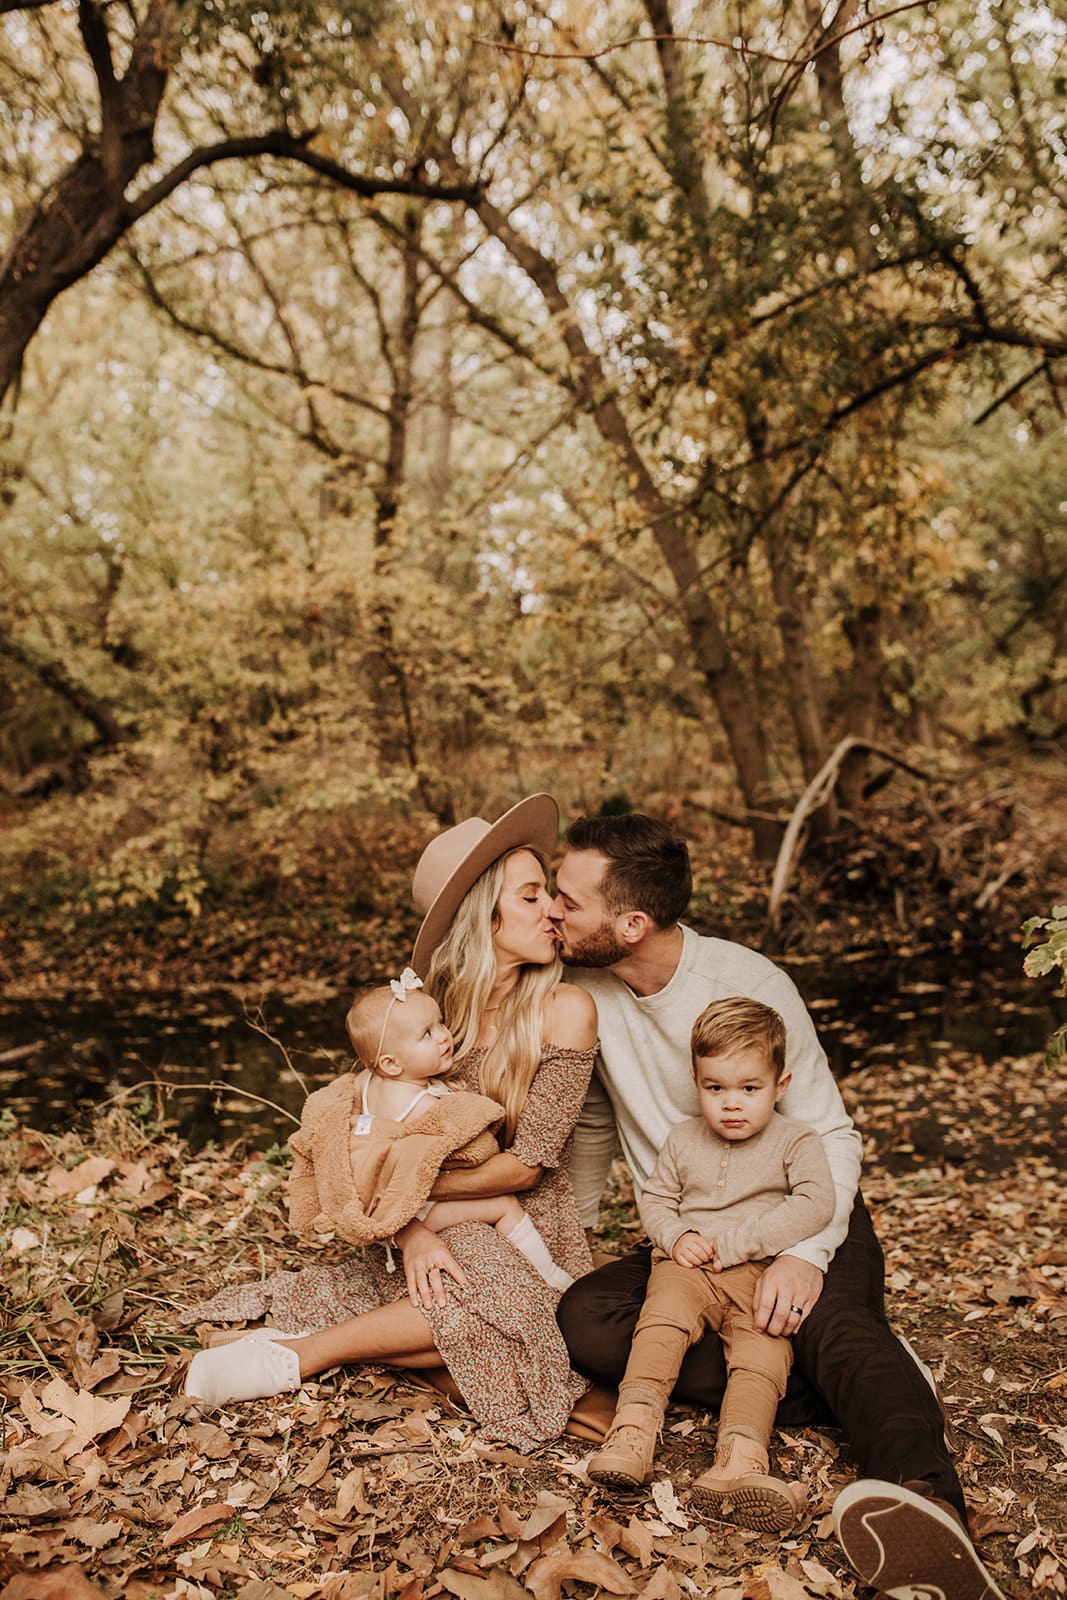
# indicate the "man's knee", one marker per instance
pixel 598 1314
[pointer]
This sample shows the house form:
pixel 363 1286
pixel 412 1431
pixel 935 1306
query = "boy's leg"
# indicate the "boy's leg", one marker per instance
pixel 678 1304
pixel 847 1351
pixel 738 1486
pixel 675 1311
pixel 757 1363
pixel 598 1317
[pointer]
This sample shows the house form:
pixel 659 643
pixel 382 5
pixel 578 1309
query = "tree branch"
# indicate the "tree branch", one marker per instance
pixel 279 142
pixel 98 48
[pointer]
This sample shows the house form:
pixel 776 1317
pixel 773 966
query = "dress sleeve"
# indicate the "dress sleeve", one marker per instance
pixel 556 1096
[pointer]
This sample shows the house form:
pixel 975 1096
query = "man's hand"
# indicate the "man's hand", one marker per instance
pixel 785 1294
pixel 426 1259
pixel 693 1250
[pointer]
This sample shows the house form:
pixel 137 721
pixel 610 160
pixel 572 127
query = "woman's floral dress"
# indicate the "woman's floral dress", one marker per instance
pixel 498 1337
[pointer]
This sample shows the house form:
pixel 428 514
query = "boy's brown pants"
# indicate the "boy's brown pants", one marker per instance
pixel 681 1305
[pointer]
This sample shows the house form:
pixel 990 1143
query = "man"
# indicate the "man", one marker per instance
pixel 622 887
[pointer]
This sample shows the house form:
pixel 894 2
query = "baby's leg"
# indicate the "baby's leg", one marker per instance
pixel 502 1211
pixel 508 1217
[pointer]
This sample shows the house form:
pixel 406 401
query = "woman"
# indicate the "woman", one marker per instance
pixel 487 949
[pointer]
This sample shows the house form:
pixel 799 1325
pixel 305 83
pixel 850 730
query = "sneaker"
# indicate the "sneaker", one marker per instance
pixel 251 1368
pixel 907 1546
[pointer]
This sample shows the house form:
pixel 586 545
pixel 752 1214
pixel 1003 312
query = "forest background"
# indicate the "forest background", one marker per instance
pixel 409 406
pixel 406 407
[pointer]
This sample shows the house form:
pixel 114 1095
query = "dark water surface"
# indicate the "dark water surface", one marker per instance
pixel 56 1060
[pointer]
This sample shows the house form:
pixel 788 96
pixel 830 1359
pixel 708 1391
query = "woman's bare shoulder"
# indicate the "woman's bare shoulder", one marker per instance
pixel 571 1020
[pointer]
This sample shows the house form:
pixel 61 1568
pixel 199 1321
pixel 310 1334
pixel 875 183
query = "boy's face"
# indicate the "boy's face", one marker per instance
pixel 417 1040
pixel 738 1092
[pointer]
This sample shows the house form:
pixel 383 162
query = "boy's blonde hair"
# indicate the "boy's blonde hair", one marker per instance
pixel 366 1020
pixel 727 1026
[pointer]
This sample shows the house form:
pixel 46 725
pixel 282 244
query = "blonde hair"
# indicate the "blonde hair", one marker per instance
pixel 727 1026
pixel 461 977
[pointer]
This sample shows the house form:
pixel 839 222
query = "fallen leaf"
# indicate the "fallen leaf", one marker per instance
pixel 88 1173
pixel 197 1521
pixel 54 1583
pixel 668 1504
pixel 547 1511
pixel 469 1586
pixel 545 1578
pixel 316 1468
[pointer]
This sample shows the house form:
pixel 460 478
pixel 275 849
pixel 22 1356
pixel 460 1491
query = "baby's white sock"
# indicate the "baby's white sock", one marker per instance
pixel 248 1369
pixel 525 1237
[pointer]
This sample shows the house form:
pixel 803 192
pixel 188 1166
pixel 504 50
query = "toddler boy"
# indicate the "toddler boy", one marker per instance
pixel 731 1188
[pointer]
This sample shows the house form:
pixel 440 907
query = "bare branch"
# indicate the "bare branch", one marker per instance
pixel 98 48
pixel 281 143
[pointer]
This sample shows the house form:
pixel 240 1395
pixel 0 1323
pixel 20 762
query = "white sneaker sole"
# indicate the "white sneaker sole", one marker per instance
pixel 906 1547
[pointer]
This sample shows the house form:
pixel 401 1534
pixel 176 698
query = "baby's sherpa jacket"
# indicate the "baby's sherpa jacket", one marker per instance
pixel 365 1187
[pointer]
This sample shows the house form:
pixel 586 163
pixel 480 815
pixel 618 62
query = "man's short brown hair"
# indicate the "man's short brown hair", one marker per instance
pixel 648 865
pixel 727 1026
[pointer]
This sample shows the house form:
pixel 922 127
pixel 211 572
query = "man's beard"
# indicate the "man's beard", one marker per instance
pixel 600 949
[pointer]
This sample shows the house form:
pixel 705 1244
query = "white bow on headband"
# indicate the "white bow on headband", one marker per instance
pixel 405 984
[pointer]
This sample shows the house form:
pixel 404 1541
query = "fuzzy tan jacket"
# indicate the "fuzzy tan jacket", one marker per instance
pixel 365 1187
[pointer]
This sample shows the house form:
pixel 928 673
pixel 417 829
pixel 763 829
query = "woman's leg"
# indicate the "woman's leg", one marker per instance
pixel 260 1365
pixel 398 1334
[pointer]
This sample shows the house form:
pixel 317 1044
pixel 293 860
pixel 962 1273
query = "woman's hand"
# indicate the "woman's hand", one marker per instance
pixel 426 1259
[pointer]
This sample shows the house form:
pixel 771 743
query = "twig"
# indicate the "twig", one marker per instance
pixel 815 795
pixel 255 1021
pixel 170 1088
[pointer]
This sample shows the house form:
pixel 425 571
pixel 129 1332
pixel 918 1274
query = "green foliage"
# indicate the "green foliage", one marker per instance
pixel 1047 938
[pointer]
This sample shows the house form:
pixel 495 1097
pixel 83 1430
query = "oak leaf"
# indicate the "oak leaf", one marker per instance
pixel 545 1578
pixel 199 1520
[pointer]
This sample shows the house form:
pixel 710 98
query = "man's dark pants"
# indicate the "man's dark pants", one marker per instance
pixel 849 1367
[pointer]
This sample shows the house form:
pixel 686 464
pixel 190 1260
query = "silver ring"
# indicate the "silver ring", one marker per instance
pixel 798 1311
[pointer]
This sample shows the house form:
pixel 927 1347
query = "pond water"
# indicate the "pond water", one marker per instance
pixel 223 1073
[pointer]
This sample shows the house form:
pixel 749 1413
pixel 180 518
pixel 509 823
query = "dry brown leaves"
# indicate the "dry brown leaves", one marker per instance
pixel 366 1487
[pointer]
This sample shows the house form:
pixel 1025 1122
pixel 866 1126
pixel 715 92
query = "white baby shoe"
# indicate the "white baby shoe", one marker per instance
pixel 248 1369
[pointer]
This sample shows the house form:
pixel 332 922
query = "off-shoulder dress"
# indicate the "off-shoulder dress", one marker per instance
pixel 498 1337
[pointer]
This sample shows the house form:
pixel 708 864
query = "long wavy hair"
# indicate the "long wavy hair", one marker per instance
pixel 461 977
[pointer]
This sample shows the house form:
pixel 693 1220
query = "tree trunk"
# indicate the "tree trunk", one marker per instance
pixel 109 731
pixel 86 213
pixel 674 533
pixel 394 713
pixel 802 688
pixel 863 630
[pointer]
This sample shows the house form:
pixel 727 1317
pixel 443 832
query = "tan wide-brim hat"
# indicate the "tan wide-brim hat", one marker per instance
pixel 455 859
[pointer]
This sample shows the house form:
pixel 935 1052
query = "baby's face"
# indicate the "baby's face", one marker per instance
pixel 418 1039
pixel 738 1092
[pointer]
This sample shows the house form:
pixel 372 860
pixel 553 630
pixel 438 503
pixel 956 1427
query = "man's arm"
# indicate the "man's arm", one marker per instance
pixel 813 1098
pixel 596 1143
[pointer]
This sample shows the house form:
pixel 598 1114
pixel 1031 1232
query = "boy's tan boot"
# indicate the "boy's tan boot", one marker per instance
pixel 626 1457
pixel 737 1488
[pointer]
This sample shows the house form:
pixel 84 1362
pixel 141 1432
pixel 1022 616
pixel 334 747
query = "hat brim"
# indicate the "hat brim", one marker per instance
pixel 534 822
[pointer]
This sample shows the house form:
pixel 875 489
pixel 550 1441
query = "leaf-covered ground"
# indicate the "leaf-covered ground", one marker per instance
pixel 365 1485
